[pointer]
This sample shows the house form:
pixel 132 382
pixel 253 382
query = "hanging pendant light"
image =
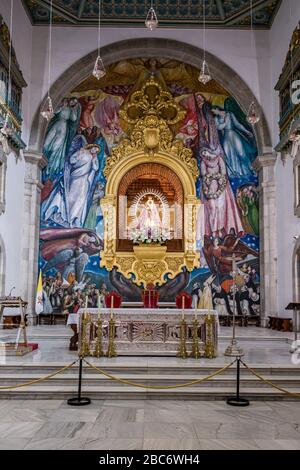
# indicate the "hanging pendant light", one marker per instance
pixel 252 115
pixel 99 69
pixel 151 21
pixel 204 75
pixel 47 111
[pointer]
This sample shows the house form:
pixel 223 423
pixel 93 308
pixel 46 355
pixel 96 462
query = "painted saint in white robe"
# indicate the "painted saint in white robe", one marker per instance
pixel 68 204
pixel 79 178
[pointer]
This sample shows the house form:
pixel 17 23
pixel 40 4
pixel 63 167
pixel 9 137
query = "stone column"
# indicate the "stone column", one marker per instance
pixel 265 167
pixel 34 163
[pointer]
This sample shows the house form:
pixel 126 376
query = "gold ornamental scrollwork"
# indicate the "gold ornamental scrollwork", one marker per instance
pixel 148 117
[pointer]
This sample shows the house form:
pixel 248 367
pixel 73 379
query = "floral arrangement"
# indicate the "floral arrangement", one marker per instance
pixel 149 236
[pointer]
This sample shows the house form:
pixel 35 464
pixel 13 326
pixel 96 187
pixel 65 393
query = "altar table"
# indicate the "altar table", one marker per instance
pixel 145 332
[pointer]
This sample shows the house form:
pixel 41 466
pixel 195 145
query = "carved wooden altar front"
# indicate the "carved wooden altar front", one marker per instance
pixel 150 151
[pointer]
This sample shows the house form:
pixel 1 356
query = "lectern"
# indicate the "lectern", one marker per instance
pixel 295 306
pixel 15 348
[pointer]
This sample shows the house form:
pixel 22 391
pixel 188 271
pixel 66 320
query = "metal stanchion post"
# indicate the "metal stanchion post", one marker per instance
pixel 237 400
pixel 79 400
pixel 294 346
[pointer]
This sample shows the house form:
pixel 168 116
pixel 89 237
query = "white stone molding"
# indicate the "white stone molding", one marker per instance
pixel 296 166
pixel 265 167
pixel 34 163
pixel 2 266
pixel 296 271
pixel 3 168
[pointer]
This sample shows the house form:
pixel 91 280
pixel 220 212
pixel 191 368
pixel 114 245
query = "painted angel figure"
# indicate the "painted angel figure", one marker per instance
pixel 237 141
pixel 60 133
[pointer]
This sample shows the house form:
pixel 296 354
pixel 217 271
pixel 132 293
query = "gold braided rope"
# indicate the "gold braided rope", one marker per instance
pixel 158 387
pixel 287 392
pixel 42 379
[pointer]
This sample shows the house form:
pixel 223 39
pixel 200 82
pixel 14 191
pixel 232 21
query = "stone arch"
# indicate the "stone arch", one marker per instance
pixel 2 266
pixel 152 47
pixel 296 271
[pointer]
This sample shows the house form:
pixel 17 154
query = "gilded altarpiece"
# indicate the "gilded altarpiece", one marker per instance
pixel 149 115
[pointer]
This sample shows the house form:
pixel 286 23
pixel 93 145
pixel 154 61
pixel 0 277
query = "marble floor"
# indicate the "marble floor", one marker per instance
pixel 148 425
pixel 261 346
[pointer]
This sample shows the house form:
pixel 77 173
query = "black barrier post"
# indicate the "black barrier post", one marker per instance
pixel 237 400
pixel 79 400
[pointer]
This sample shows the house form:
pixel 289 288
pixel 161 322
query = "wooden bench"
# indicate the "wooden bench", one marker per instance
pixel 280 323
pixel 51 318
pixel 240 320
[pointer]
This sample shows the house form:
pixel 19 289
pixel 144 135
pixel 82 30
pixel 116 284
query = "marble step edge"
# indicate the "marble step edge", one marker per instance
pixel 137 369
pixel 127 393
pixel 149 377
pixel 222 338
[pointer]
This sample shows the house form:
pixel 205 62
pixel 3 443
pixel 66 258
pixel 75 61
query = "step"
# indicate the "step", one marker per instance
pixel 159 370
pixel 128 393
pixel 94 379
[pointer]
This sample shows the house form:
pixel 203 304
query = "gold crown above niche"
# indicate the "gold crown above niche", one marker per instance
pixel 149 114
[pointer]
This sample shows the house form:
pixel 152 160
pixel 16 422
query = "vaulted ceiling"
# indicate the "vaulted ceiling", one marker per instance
pixel 184 13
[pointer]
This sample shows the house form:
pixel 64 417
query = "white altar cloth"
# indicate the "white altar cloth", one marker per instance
pixel 142 314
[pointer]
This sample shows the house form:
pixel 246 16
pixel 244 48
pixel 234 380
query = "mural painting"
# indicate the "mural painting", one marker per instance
pixel 79 140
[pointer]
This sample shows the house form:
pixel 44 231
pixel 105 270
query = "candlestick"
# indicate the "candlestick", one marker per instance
pixel 209 312
pixel 195 314
pixel 85 306
pixel 111 307
pixel 99 307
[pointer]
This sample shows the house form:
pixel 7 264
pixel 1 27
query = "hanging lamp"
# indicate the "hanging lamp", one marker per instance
pixel 47 109
pixel 252 116
pixel 151 21
pixel 99 68
pixel 204 75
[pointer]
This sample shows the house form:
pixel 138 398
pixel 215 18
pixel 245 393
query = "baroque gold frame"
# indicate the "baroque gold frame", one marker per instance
pixel 149 115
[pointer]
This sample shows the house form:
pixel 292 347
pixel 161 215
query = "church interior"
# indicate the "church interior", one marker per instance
pixel 149 225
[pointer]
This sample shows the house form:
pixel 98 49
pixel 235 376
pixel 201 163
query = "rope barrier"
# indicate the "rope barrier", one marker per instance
pixel 42 379
pixel 287 392
pixel 158 387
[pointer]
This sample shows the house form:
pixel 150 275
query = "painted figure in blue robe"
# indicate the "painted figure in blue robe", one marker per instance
pixel 60 133
pixel 237 141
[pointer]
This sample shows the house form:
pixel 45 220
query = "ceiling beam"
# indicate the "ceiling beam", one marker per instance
pixel 57 10
pixel 257 6
pixel 81 8
pixel 221 9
